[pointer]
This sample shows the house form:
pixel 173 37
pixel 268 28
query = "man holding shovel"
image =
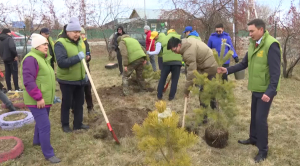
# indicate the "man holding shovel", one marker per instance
pixel 158 47
pixel 263 61
pixel 134 58
pixel 197 56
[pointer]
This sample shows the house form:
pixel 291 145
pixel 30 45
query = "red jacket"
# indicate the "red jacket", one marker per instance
pixel 148 41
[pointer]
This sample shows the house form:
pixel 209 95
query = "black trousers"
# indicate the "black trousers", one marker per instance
pixel 70 93
pixel 87 94
pixel 11 68
pixel 259 124
pixel 225 76
pixel 175 71
pixel 119 57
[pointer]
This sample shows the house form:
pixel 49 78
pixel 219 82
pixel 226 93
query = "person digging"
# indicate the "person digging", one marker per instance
pixel 197 56
pixel 134 58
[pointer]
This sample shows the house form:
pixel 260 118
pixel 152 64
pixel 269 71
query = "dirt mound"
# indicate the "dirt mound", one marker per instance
pixel 110 91
pixel 122 121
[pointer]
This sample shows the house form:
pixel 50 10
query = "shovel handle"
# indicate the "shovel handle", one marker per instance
pixel 184 111
pixel 94 89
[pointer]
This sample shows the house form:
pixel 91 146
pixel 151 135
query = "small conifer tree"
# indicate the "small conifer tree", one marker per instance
pixel 164 143
pixel 218 90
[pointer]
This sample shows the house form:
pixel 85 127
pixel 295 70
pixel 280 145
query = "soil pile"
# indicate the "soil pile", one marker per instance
pixel 122 121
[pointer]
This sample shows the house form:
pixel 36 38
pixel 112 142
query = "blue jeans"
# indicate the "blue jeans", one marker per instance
pixel 152 61
pixel 175 71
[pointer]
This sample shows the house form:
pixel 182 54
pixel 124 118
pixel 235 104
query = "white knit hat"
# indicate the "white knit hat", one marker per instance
pixel 38 40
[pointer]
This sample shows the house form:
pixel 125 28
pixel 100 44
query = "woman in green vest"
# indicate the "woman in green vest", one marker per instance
pixel 69 51
pixel 38 78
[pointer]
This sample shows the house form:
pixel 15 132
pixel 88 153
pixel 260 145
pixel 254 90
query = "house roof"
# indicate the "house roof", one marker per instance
pixel 150 13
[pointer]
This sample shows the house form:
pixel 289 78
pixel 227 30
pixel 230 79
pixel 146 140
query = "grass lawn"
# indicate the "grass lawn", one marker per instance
pixel 81 148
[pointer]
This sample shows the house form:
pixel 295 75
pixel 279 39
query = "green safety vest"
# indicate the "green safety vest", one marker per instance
pixel 45 79
pixel 134 49
pixel 258 68
pixel 77 71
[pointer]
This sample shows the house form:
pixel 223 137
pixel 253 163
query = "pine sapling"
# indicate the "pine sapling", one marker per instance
pixel 164 143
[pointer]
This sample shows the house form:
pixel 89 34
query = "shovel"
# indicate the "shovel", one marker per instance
pixel 167 85
pixel 99 102
pixel 184 111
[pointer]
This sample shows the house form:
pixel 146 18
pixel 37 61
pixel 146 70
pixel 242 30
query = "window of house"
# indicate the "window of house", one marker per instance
pixel 153 25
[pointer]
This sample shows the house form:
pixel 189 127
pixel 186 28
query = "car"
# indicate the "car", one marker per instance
pixel 136 35
pixel 20 43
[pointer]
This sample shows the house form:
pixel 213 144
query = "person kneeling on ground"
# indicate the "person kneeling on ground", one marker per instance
pixel 69 51
pixel 37 76
pixel 5 99
pixel 134 58
pixel 197 56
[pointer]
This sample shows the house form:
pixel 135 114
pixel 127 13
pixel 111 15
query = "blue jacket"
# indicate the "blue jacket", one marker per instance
pixel 194 33
pixel 215 41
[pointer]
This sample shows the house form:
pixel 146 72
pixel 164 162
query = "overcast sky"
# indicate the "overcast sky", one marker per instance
pixel 156 4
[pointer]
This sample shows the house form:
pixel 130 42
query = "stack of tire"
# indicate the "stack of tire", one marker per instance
pixel 10 125
pixel 14 152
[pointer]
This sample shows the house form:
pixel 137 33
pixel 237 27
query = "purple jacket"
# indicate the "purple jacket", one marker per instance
pixel 30 72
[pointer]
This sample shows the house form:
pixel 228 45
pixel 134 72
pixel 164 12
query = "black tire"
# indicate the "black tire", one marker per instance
pixel 113 66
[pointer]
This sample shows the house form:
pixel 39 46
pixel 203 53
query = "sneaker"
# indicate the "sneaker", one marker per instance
pixel 54 159
pixel 19 90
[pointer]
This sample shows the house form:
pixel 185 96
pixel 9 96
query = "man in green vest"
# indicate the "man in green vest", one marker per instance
pixel 134 58
pixel 171 63
pixel 46 33
pixel 263 61
pixel 69 52
pixel 158 47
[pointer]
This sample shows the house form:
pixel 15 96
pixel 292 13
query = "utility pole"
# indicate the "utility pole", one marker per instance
pixel 235 27
pixel 145 12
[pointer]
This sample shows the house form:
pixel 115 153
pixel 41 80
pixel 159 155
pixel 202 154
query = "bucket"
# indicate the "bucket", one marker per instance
pixel 239 75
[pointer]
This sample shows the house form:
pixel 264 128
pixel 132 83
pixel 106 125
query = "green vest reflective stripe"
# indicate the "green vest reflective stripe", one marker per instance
pixel 195 37
pixel 51 42
pixel 45 79
pixel 134 49
pixel 258 68
pixel 168 55
pixel 77 71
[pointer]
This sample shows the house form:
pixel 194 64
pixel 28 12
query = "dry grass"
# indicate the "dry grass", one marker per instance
pixel 7 144
pixel 81 148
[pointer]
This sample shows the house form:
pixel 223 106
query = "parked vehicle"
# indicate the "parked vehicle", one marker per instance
pixel 20 43
pixel 136 35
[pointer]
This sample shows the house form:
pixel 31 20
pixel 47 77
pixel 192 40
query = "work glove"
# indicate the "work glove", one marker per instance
pixel 236 59
pixel 86 78
pixel 81 55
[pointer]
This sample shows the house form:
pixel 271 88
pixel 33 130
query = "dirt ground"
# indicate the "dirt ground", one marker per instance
pixel 88 148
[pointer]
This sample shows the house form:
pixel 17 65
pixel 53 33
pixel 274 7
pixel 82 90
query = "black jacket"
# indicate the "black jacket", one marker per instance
pixel 8 50
pixel 115 42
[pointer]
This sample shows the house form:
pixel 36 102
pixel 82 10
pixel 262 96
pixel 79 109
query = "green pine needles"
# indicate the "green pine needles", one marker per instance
pixel 160 138
pixel 218 90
